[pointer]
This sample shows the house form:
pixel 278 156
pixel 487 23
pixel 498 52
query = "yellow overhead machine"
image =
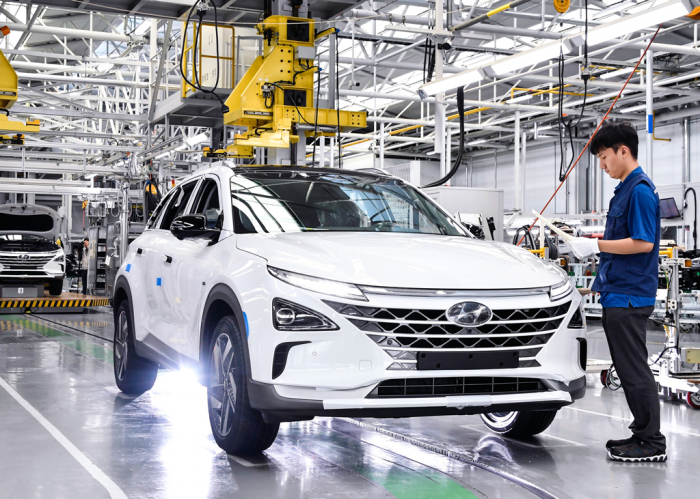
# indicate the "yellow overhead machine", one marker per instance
pixel 275 98
pixel 8 96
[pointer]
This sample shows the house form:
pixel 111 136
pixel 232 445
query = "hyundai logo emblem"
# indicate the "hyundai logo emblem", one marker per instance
pixel 469 313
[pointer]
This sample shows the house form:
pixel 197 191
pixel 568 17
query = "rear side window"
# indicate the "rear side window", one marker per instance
pixel 178 204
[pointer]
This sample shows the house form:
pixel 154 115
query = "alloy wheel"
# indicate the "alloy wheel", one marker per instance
pixel 121 349
pixel 499 420
pixel 222 386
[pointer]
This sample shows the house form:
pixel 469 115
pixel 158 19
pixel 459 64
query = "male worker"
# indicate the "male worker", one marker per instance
pixel 627 282
pixel 84 264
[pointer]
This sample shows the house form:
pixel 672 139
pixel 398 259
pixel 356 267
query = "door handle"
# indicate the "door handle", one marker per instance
pixel 168 259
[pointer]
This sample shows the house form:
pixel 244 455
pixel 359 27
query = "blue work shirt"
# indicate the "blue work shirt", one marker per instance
pixel 642 223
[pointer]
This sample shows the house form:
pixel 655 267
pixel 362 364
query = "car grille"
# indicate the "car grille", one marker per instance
pixel 24 263
pixel 404 332
pixel 442 387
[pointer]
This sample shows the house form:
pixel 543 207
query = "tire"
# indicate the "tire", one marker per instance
pixel 693 400
pixel 604 378
pixel 133 374
pixel 56 287
pixel 519 423
pixel 237 427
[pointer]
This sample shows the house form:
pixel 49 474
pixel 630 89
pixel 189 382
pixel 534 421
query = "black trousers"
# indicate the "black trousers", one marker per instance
pixel 626 332
pixel 83 278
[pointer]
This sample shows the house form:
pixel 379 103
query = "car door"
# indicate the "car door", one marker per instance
pixel 142 277
pixel 160 287
pixel 190 267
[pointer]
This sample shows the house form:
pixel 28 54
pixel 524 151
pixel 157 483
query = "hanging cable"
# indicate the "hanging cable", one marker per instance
pixel 561 183
pixel 695 218
pixel 458 160
pixel 569 126
pixel 202 7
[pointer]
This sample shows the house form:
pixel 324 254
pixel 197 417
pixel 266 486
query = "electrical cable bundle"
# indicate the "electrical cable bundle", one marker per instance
pixel 695 219
pixel 458 160
pixel 151 197
pixel 569 126
pixel 429 50
pixel 201 10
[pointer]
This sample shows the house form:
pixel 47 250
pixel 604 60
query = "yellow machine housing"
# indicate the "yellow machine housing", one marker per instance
pixel 277 91
pixel 8 96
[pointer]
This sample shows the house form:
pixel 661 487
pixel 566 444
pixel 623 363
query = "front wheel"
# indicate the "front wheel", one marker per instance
pixel 56 287
pixel 519 423
pixel 237 427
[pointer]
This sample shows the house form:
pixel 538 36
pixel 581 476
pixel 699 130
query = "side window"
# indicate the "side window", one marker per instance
pixel 207 198
pixel 207 202
pixel 178 204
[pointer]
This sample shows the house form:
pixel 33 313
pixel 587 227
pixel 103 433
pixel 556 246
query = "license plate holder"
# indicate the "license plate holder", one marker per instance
pixel 465 361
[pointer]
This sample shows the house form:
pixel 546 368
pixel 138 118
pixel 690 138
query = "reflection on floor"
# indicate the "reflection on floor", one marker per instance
pixel 56 386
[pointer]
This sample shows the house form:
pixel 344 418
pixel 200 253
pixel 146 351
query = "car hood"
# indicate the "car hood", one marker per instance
pixel 403 260
pixel 29 219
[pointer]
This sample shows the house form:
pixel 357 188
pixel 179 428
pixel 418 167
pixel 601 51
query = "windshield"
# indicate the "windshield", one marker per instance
pixel 292 201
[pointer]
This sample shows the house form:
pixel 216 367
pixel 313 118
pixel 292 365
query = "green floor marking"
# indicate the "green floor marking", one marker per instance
pixel 401 481
pixel 94 350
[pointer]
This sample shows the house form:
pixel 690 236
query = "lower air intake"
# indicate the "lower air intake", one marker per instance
pixel 441 387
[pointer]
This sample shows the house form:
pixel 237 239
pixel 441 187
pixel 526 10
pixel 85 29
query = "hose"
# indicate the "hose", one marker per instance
pixel 695 219
pixel 458 160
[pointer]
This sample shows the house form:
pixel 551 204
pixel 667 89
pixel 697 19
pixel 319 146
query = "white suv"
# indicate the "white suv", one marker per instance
pixel 301 292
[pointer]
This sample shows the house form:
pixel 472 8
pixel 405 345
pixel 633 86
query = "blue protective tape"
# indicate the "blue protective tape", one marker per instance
pixel 650 123
pixel 247 329
pixel 158 281
pixel 128 267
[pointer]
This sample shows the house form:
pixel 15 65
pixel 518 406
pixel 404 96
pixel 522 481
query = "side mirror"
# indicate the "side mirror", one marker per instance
pixel 194 226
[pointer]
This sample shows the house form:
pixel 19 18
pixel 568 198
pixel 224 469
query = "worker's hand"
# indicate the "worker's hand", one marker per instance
pixel 584 247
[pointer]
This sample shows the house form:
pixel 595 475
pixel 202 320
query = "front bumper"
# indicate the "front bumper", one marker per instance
pixel 276 408
pixel 334 372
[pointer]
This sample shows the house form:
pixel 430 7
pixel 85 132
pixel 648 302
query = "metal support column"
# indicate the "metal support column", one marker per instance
pixel 439 147
pixel 381 145
pixel 523 161
pixel 686 150
pixel 516 164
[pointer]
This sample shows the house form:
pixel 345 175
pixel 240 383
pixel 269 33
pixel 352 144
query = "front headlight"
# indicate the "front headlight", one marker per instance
pixel 288 316
pixel 323 286
pixel 559 291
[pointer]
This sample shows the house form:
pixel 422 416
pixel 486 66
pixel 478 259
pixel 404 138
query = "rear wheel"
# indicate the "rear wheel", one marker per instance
pixel 56 287
pixel 519 423
pixel 133 374
pixel 237 427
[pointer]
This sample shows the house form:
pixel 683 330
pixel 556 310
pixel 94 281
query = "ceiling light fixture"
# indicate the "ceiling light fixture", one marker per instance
pixel 671 9
pixel 613 9
pixel 613 74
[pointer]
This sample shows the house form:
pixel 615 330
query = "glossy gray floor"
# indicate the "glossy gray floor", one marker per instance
pixel 67 432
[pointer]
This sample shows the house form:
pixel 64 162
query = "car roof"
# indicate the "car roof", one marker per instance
pixel 227 170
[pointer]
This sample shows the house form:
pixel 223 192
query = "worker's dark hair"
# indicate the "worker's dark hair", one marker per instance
pixel 86 239
pixel 615 135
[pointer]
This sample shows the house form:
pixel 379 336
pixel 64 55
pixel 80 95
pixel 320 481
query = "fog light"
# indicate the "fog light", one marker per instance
pixel 289 316
pixel 285 316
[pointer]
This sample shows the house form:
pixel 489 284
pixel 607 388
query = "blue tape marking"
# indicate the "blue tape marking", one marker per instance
pixel 247 329
pixel 158 281
pixel 128 267
pixel 650 123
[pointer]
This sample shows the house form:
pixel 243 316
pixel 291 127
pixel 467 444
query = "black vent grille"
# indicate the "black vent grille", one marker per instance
pixel 441 387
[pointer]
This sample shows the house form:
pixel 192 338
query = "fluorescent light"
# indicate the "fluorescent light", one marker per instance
pixel 197 139
pixel 524 59
pixel 629 24
pixel 619 72
pixel 613 9
pixel 463 79
pixel 520 98
pixel 477 142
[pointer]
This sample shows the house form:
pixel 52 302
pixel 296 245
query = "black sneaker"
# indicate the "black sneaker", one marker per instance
pixel 618 443
pixel 636 451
